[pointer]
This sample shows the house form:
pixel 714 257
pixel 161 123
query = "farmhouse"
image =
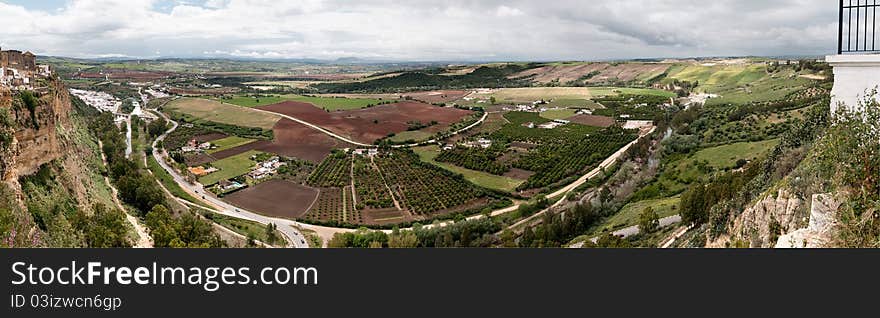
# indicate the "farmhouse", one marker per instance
pixel 366 152
pixel 266 169
pixel 550 125
pixel 482 143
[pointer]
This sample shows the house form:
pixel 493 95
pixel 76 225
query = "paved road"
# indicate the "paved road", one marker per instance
pixel 345 139
pixel 219 206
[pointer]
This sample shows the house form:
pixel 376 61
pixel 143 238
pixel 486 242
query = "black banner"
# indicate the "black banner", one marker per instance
pixel 459 282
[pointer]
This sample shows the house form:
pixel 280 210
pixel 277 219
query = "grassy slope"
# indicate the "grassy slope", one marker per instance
pixel 629 214
pixel 739 84
pixel 167 180
pixel 487 180
pixel 243 227
pixel 721 157
pixel 726 156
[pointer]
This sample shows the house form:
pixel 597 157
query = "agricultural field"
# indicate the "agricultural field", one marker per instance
pixel 487 180
pixel 230 168
pixel 425 190
pixel 517 129
pixel 594 73
pixel 557 161
pixel 336 103
pixel 579 97
pixel 560 113
pixel 334 206
pixel 632 107
pixel 371 124
pixel 277 198
pixel 213 111
pixel 392 187
pixel 593 120
pixel 251 101
pixel 327 103
pixel 229 143
pixel 333 172
pixel 410 135
pixel 477 158
pixel 372 193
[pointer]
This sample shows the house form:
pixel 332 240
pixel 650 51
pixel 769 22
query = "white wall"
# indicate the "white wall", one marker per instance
pixel 854 77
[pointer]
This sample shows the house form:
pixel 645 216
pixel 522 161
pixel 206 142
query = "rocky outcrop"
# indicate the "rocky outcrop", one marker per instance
pixel 819 232
pixel 35 133
pixel 760 225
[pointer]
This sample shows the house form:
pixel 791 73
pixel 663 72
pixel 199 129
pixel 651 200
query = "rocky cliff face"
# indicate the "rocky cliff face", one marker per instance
pixel 820 231
pixel 760 225
pixel 35 133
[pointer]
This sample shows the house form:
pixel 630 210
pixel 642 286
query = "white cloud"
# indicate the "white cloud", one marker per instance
pixel 505 11
pixel 424 30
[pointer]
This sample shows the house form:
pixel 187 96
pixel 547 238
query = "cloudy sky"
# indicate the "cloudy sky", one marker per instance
pixel 419 30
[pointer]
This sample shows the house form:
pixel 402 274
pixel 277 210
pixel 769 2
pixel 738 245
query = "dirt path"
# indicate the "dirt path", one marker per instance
pixel 144 239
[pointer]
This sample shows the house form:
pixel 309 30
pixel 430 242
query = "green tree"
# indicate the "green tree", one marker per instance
pixel 161 226
pixel 693 205
pixel 271 234
pixel 649 222
pixel 403 239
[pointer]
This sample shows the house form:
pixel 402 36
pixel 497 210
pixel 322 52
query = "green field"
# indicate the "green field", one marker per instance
pixel 606 91
pixel 574 103
pixel 247 101
pixel 726 156
pixel 483 179
pixel 328 103
pixel 229 143
pixel 335 103
pixel 230 168
pixel 415 135
pixel 564 113
pixel 629 214
pixel 168 181
pixel 214 111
